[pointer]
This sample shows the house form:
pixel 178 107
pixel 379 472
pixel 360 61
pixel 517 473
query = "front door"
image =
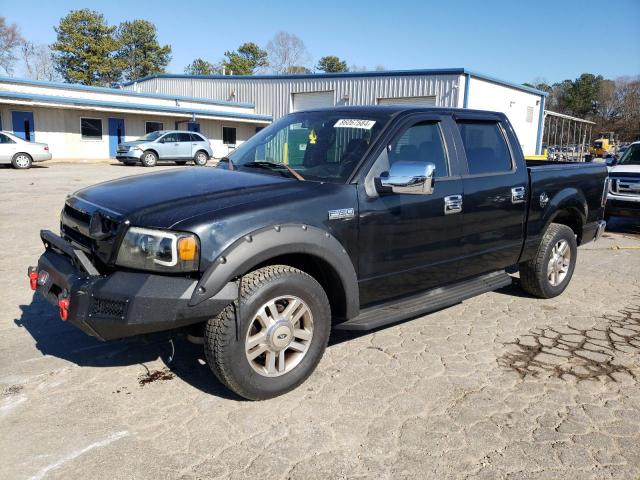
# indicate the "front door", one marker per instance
pixel 495 197
pixel 8 148
pixel 407 242
pixel 116 135
pixel 23 125
pixel 169 147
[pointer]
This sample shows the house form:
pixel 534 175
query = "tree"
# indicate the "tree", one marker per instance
pixel 245 60
pixel 286 50
pixel 38 62
pixel 298 70
pixel 86 49
pixel 10 39
pixel 332 64
pixel 201 67
pixel 580 97
pixel 140 52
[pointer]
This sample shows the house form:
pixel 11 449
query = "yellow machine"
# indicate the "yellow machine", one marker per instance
pixel 606 143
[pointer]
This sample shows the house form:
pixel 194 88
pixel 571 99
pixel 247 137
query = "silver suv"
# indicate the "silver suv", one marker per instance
pixel 175 145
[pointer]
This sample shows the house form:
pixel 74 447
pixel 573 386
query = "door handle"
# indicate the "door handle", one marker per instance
pixel 518 194
pixel 452 204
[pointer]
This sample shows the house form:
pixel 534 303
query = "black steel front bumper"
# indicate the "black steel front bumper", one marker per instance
pixel 622 208
pixel 121 304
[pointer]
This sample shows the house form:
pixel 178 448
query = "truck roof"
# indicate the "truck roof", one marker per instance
pixel 395 109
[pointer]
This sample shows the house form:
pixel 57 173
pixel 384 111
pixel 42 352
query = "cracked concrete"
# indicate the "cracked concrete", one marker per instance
pixel 500 386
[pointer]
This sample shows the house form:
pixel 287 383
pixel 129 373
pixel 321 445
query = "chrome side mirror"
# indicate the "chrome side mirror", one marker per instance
pixel 413 178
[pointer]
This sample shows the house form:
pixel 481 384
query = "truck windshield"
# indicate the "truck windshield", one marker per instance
pixel 323 146
pixel 631 156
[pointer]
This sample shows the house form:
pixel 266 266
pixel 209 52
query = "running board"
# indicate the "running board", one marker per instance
pixel 414 306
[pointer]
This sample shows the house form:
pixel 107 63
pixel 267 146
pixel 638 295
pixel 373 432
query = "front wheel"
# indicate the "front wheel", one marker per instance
pixel 271 339
pixel 201 158
pixel 149 159
pixel 550 271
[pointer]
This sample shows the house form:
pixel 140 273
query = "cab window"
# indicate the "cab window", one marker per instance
pixel 485 147
pixel 421 142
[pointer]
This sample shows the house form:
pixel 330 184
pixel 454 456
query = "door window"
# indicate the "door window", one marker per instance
pixel 170 138
pixel 4 139
pixel 485 146
pixel 422 143
pixel 184 137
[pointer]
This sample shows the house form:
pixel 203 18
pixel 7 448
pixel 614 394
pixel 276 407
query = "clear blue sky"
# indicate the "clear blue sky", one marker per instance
pixel 514 40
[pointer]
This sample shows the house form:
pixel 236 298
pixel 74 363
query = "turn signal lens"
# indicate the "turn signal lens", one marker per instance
pixel 187 248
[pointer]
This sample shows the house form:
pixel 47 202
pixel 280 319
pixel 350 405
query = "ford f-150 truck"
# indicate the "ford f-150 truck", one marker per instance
pixel 347 218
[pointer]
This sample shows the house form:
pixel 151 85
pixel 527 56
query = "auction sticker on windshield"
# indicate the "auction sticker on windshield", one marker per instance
pixel 354 123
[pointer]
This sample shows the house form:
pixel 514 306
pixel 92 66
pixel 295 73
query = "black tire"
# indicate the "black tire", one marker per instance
pixel 534 276
pixel 201 158
pixel 225 348
pixel 149 159
pixel 181 162
pixel 21 161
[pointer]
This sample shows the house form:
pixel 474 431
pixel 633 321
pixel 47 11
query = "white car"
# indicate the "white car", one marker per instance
pixel 623 199
pixel 20 153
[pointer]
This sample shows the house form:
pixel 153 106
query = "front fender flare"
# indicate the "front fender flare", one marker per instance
pixel 269 242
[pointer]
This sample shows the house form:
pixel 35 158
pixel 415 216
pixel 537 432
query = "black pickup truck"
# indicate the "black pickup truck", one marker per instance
pixel 347 218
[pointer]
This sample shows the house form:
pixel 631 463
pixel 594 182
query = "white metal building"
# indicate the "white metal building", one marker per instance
pixel 278 95
pixel 80 122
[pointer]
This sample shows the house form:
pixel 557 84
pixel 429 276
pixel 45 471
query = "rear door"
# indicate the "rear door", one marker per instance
pixel 184 148
pixel 8 148
pixel 495 196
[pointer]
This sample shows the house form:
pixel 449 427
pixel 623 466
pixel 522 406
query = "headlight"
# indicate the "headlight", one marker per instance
pixel 159 250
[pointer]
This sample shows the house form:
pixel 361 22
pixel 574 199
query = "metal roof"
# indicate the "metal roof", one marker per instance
pixel 120 91
pixel 386 73
pixel 131 106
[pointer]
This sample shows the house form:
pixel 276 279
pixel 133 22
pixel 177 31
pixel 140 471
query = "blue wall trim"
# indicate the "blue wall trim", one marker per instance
pixel 387 73
pixel 131 106
pixel 540 127
pixel 119 91
pixel 465 102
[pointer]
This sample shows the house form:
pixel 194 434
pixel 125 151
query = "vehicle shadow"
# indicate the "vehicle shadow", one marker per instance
pixel 62 340
pixel 629 226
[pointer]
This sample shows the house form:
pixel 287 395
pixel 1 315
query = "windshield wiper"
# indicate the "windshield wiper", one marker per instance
pixel 275 166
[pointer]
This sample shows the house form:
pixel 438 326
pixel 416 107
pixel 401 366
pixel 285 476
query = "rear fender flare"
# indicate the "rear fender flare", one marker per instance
pixel 270 242
pixel 568 199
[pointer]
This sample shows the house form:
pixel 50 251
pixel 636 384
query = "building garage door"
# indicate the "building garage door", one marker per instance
pixel 422 101
pixel 311 100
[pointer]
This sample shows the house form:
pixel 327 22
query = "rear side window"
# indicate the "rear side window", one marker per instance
pixel 485 146
pixel 5 139
pixel 196 138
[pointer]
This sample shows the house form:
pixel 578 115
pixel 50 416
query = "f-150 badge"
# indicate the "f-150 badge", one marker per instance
pixel 341 213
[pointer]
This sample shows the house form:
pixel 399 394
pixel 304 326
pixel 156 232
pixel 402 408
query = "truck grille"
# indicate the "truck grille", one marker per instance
pixel 625 186
pixel 75 226
pixel 107 308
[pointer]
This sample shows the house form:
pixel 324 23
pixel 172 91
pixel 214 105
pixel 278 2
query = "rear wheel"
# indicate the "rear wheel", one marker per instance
pixel 201 158
pixel 21 161
pixel 282 331
pixel 149 159
pixel 550 271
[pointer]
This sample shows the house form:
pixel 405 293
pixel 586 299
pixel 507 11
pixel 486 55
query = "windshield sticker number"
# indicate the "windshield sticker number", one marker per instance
pixel 355 123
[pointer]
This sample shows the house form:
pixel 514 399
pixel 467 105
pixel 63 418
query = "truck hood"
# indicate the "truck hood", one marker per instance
pixel 164 198
pixel 132 143
pixel 620 169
